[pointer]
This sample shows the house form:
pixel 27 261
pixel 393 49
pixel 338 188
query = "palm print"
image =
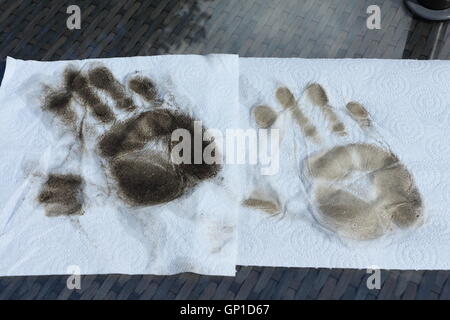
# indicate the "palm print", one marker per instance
pixel 357 190
pixel 135 146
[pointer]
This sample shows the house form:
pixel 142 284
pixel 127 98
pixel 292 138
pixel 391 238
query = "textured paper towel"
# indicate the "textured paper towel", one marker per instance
pixel 409 102
pixel 195 233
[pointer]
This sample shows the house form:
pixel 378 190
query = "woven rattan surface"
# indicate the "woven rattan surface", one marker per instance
pixel 36 29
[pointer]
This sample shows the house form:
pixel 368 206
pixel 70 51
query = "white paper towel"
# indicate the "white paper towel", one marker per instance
pixel 409 101
pixel 195 233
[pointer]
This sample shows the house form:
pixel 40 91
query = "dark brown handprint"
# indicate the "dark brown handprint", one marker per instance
pixel 137 150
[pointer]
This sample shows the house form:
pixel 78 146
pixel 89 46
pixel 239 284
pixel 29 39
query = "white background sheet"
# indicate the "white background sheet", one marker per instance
pixel 196 233
pixel 410 103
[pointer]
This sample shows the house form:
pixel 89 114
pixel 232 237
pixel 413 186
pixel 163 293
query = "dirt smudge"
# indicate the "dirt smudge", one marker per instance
pixel 319 98
pixel 103 79
pixel 358 113
pixel 62 194
pixel 397 200
pixel 124 142
pixel 148 178
pixel 144 87
pixel 87 96
pixel 267 206
pixel 264 116
pixel 287 100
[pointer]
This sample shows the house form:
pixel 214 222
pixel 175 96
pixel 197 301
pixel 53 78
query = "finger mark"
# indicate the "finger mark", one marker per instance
pixel 308 129
pixel 317 94
pixel 70 74
pixel 62 195
pixel 267 206
pixel 287 100
pixel 88 97
pixel 135 132
pixel 359 114
pixel 144 87
pixel 339 129
pixel 58 103
pixel 103 79
pixel 264 116
pixel 285 97
pixel 319 98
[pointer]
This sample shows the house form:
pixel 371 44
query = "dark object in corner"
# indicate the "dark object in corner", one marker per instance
pixel 435 4
pixel 435 10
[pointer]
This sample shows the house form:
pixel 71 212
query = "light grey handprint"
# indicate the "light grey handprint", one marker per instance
pixel 359 190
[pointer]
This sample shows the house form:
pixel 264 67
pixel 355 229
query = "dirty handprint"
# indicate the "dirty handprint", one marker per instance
pixel 136 147
pixel 333 176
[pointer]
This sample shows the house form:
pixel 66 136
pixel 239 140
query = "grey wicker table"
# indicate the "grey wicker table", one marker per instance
pixel 35 29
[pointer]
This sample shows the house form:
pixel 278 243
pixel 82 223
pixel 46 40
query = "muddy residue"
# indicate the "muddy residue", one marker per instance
pixel 397 200
pixel 137 150
pixel 361 191
pixel 359 114
pixel 264 116
pixel 144 87
pixel 122 144
pixel 333 164
pixel 148 178
pixel 88 97
pixel 268 206
pixel 103 79
pixel 62 194
pixel 319 98
pixel 287 100
pixel 58 100
pixel 58 103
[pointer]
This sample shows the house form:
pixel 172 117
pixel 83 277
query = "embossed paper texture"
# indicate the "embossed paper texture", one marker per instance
pixel 87 183
pixel 357 179
pixel 362 177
